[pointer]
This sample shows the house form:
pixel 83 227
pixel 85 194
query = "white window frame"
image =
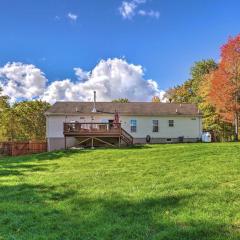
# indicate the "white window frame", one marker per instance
pixel 133 125
pixel 171 123
pixel 155 123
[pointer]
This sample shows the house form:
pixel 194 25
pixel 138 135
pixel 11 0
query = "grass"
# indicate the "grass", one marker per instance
pixel 182 191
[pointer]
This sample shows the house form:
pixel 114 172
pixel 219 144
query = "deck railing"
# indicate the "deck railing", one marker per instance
pixel 91 128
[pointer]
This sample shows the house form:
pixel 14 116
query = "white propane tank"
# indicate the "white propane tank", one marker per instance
pixel 206 137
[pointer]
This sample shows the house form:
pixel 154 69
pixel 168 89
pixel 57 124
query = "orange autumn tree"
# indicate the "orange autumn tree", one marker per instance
pixel 225 83
pixel 211 118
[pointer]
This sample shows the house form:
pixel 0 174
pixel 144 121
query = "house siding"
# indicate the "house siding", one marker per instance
pixel 184 126
pixel 55 123
pixel 164 140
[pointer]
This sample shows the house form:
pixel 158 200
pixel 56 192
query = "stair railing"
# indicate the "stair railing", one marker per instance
pixel 128 136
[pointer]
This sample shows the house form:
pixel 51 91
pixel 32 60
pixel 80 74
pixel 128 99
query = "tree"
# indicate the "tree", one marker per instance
pixel 23 120
pixel 4 106
pixel 211 119
pixel 188 91
pixel 180 94
pixel 156 99
pixel 3 100
pixel 121 100
pixel 29 120
pixel 198 73
pixel 196 90
pixel 225 83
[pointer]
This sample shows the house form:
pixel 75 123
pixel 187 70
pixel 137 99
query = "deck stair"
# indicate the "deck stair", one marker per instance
pixel 126 137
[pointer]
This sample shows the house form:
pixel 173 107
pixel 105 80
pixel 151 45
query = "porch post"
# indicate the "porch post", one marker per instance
pixel 92 144
pixel 65 142
pixel 119 142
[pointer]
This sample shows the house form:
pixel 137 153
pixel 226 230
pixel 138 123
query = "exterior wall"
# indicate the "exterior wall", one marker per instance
pixel 188 127
pixel 164 140
pixel 184 126
pixel 55 123
pixel 54 129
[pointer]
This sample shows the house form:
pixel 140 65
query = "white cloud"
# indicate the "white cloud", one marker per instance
pixel 81 74
pixel 128 9
pixel 162 96
pixel 151 13
pixel 22 81
pixel 112 78
pixel 62 90
pixel 142 12
pixel 140 1
pixel 72 16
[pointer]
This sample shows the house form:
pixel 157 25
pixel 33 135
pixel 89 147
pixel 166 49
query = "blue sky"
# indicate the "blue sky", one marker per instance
pixel 59 35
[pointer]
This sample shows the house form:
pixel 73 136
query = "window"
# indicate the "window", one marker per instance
pixel 133 125
pixel 171 123
pixel 155 125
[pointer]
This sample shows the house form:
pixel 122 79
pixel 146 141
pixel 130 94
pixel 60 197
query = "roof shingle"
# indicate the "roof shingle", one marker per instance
pixel 131 108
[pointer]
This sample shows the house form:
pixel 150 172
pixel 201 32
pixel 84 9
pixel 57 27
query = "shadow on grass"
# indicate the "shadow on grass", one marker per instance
pixel 34 163
pixel 36 211
pixel 60 154
pixel 29 163
pixel 136 146
pixel 16 165
pixel 21 169
pixel 7 172
pixel 41 156
pixel 133 147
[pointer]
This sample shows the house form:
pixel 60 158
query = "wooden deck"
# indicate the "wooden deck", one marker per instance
pixel 92 129
pixel 100 132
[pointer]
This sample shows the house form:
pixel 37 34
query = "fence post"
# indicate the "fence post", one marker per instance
pixel 11 148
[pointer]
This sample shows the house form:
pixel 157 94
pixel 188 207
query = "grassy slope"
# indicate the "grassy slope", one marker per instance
pixel 185 191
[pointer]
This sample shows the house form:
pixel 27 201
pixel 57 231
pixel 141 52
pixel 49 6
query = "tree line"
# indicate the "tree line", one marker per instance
pixel 215 89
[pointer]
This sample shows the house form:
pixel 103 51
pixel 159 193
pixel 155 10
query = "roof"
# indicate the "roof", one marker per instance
pixel 131 108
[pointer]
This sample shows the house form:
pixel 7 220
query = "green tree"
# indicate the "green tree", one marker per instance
pixel 156 99
pixel 121 100
pixel 188 92
pixel 4 107
pixel 180 93
pixel 198 73
pixel 29 120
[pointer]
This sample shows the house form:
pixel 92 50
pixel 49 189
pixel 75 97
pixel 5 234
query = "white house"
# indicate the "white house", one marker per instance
pixel 74 123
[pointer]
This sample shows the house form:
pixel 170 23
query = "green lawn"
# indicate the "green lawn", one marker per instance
pixel 182 191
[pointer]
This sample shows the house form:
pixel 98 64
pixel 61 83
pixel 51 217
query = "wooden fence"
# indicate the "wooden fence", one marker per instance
pixel 22 148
